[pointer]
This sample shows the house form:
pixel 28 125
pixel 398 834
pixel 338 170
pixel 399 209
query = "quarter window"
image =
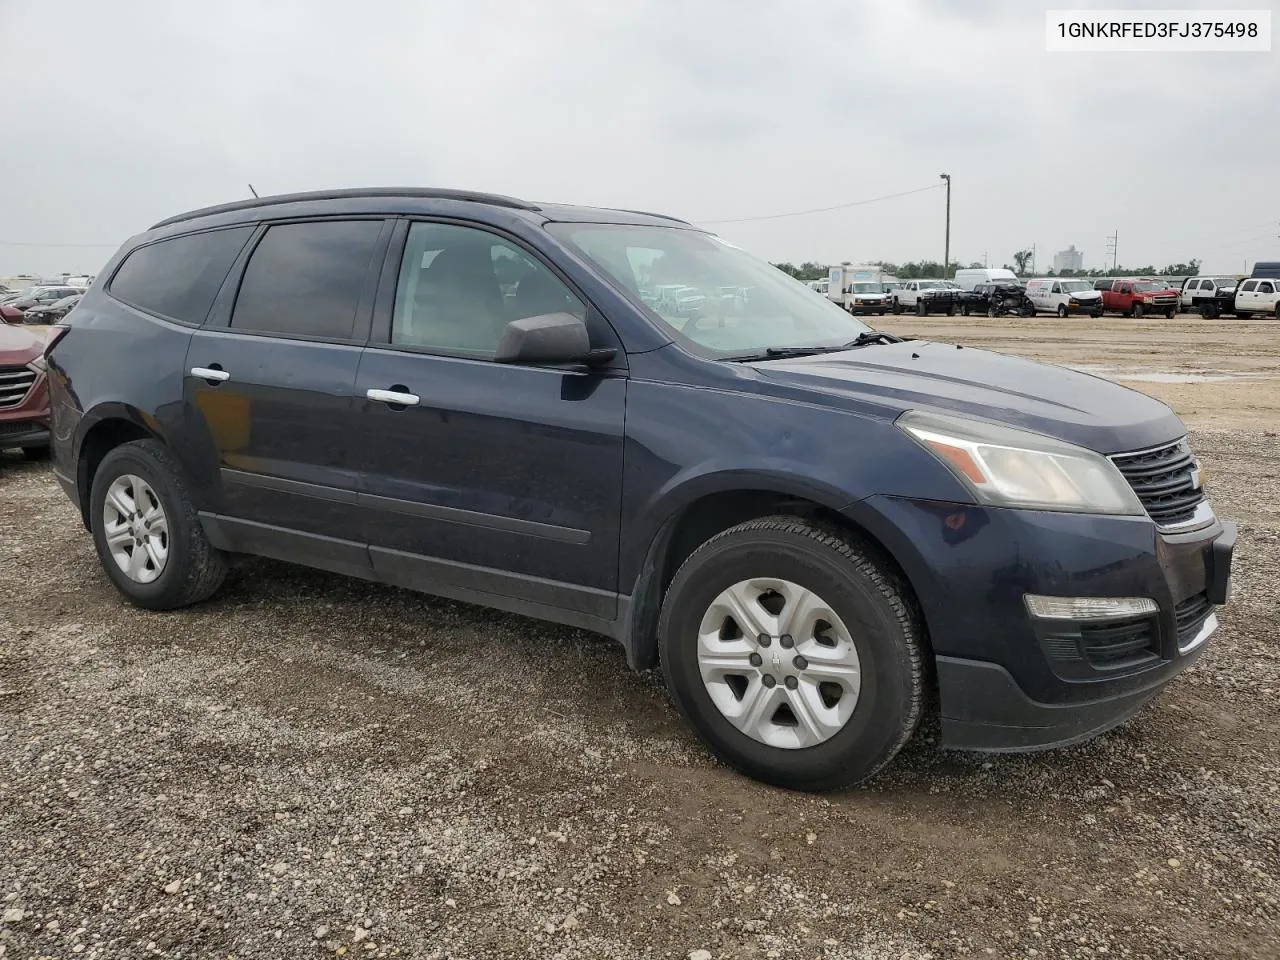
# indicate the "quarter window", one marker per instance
pixel 178 278
pixel 306 279
pixel 459 287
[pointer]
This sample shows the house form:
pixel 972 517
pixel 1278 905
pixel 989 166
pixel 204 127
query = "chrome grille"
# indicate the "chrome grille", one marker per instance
pixel 15 384
pixel 1166 480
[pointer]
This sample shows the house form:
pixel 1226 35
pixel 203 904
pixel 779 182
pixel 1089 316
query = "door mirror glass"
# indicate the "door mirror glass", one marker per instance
pixel 549 338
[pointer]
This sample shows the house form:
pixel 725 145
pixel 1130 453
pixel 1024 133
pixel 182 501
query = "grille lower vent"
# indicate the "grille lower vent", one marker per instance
pixel 1166 481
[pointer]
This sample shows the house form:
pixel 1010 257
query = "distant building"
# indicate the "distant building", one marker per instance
pixel 1068 259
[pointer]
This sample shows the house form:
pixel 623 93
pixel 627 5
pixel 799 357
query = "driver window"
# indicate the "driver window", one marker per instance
pixel 459 287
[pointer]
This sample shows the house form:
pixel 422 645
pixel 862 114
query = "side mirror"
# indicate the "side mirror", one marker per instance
pixel 549 338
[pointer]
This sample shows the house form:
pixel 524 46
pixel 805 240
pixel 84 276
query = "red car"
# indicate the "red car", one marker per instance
pixel 24 391
pixel 1139 296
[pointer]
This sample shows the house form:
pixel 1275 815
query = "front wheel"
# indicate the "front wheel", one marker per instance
pixel 964 311
pixel 897 308
pixel 1062 311
pixel 794 652
pixel 1137 311
pixel 920 309
pixel 993 311
pixel 145 528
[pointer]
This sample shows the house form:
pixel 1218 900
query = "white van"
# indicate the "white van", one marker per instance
pixel 1064 297
pixel 968 279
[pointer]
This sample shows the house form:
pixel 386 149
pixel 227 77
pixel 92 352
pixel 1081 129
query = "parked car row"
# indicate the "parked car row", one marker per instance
pixel 42 304
pixel 1258 295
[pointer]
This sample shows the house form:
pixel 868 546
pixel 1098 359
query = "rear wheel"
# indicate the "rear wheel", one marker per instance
pixel 144 525
pixel 1210 311
pixel 794 653
pixel 1276 314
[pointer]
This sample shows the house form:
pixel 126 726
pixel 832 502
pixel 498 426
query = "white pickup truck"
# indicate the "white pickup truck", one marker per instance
pixel 926 296
pixel 1258 297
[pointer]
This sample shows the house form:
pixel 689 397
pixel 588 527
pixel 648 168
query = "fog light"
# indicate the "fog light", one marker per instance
pixel 1089 608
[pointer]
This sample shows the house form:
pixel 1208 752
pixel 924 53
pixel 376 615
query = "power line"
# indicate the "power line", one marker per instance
pixel 838 206
pixel 25 243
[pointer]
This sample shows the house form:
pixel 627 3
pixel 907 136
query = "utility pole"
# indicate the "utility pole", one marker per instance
pixel 253 191
pixel 1113 248
pixel 1033 258
pixel 946 250
pixel 985 261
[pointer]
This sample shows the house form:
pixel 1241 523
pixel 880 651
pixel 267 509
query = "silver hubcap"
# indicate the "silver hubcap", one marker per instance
pixel 778 663
pixel 136 528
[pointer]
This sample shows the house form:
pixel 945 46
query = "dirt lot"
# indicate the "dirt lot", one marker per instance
pixel 312 766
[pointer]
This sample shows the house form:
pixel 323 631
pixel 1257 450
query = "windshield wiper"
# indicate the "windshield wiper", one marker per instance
pixel 861 340
pixel 870 337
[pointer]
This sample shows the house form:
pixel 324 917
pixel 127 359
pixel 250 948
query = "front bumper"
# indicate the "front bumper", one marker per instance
pixel 1007 681
pixel 23 433
pixel 1090 307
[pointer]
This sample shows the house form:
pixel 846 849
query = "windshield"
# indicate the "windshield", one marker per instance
pixel 930 284
pixel 865 287
pixel 1075 286
pixel 1146 286
pixel 707 291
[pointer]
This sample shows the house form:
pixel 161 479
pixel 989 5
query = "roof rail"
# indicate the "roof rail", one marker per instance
pixel 493 199
pixel 647 213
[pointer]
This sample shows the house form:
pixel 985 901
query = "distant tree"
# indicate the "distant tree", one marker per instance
pixel 790 268
pixel 1049 272
pixel 975 266
pixel 1023 259
pixel 1191 269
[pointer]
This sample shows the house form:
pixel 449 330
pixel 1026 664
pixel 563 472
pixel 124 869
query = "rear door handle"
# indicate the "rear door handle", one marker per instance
pixel 210 373
pixel 399 397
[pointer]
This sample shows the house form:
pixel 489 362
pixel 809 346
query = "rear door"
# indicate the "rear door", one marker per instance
pixel 1266 295
pixel 268 390
pixel 486 480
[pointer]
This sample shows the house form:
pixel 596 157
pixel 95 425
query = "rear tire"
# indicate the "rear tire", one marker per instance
pixel 875 621
pixel 192 570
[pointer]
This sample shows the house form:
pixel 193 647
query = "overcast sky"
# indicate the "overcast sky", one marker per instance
pixel 115 115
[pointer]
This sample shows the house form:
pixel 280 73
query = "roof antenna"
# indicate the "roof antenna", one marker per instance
pixel 253 191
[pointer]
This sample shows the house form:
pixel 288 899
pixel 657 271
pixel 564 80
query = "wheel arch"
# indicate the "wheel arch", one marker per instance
pixel 101 431
pixel 706 509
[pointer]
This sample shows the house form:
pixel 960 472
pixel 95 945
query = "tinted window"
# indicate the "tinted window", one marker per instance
pixel 1057 288
pixel 1266 287
pixel 179 278
pixel 306 279
pixel 459 288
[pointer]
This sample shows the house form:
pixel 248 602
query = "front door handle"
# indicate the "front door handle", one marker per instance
pixel 214 373
pixel 398 396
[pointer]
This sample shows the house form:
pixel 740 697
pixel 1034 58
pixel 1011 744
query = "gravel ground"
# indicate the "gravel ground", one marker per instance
pixel 311 766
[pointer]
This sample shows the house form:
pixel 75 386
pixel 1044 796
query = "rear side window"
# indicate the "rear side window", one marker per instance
pixel 178 278
pixel 1266 287
pixel 306 279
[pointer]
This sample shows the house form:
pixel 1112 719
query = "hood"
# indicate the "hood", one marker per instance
pixel 1073 406
pixel 19 346
pixel 1087 295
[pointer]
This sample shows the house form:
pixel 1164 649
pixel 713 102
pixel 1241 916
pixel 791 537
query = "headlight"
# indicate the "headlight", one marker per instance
pixel 1146 299
pixel 1007 467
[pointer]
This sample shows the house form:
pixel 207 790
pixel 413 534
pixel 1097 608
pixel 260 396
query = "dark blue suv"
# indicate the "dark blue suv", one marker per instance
pixel 618 421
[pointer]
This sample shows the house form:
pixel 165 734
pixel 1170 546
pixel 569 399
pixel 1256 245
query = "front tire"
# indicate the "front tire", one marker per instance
pixel 920 309
pixel 1062 311
pixel 1137 311
pixel 145 528
pixel 795 653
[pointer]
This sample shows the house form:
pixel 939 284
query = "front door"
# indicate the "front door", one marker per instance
pixel 269 389
pixel 487 480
